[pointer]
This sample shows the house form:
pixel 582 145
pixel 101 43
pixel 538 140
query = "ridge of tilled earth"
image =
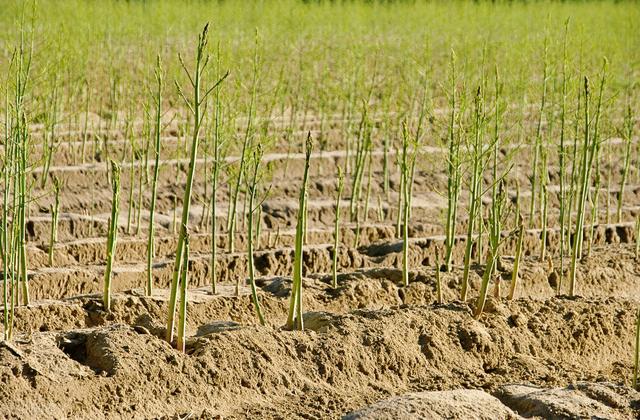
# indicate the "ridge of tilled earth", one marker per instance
pixel 609 272
pixel 339 364
pixel 581 400
pixel 609 269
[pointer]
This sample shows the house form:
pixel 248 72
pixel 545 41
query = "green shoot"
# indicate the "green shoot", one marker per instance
pixel 112 235
pixel 475 194
pixel 232 216
pixel 194 105
pixel 157 98
pixel 453 171
pixel 636 358
pixel 251 187
pixel 587 158
pixel 405 168
pixel 363 149
pixel 438 279
pixel 516 261
pixel 399 204
pixel 7 168
pixel 184 284
pixel 495 240
pixel 565 202
pixel 85 127
pixel 294 320
pixel 637 233
pixel 215 175
pixel 627 135
pixel 55 209
pixel 538 143
pixel 336 229
pixel 595 201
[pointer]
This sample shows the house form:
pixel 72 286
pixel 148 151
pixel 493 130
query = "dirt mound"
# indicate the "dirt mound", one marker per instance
pixel 456 404
pixel 578 401
pixel 582 400
pixel 341 363
pixel 369 339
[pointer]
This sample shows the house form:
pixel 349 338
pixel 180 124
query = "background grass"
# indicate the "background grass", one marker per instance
pixel 321 51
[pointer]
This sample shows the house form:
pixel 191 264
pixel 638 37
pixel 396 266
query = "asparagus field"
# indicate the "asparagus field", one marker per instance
pixel 320 209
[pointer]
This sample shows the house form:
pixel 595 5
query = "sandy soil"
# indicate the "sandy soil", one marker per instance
pixel 372 348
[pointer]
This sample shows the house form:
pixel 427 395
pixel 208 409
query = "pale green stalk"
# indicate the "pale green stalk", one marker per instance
pixel 55 208
pixel 142 178
pixel 336 230
pixel 400 195
pixel 20 133
pixel 85 133
pixel 537 144
pixel 367 197
pixel 174 224
pixel 50 137
pixel 544 202
pixel 7 169
pixel 217 163
pixel 438 279
pixel 112 235
pixel 252 184
pixel 114 99
pixel 595 198
pixel 405 209
pixel 182 313
pixel 195 107
pixel 362 148
pixel 22 207
pixel 496 203
pixel 232 216
pixel 562 160
pixel 518 256
pixel 130 203
pixel 385 159
pixel 637 233
pixel 494 247
pixel 380 210
pixel 475 193
pixel 588 153
pixel 498 200
pixel 295 320
pixel 627 135
pixel 453 172
pixel 636 357
pixel 157 97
